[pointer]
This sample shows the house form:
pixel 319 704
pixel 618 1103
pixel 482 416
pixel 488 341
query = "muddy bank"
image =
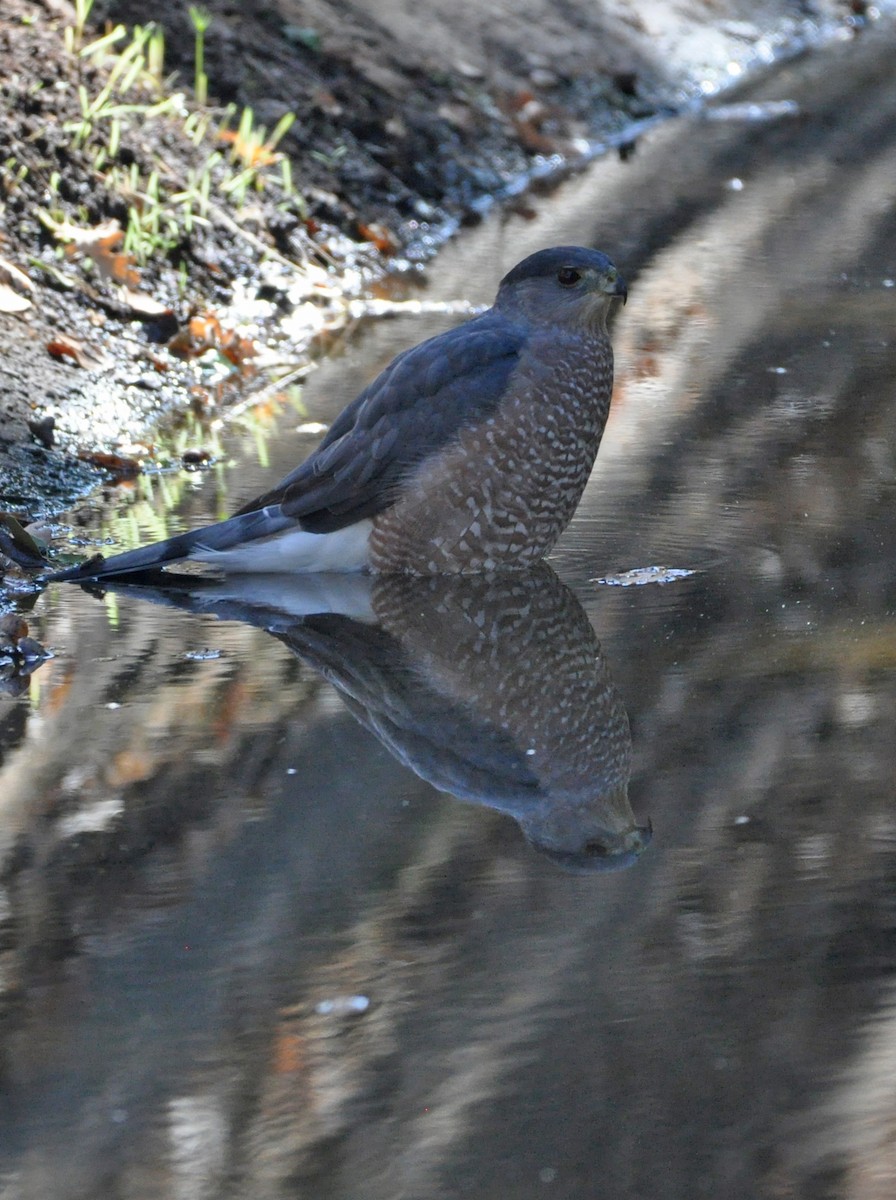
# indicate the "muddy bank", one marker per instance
pixel 166 258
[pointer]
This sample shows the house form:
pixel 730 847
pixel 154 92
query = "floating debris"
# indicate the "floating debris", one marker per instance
pixel 641 575
pixel 202 655
pixel 343 1006
pixel 769 110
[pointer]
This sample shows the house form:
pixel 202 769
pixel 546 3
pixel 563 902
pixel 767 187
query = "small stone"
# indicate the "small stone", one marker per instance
pixel 468 70
pixel 42 429
pixel 195 458
pixel 30 649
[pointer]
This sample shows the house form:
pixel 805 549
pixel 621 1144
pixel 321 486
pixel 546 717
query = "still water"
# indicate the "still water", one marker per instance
pixel 252 944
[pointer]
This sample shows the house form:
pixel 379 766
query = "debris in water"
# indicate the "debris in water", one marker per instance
pixel 641 575
pixel 770 110
pixel 343 1006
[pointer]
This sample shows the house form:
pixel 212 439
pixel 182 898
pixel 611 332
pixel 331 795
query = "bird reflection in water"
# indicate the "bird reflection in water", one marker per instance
pixel 493 688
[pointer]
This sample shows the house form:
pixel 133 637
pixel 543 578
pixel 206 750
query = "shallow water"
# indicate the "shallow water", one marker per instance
pixel 249 948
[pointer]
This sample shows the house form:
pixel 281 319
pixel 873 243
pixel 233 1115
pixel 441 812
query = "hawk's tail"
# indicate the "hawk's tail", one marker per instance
pixel 200 543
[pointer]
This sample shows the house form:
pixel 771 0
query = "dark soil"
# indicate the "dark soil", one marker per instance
pixel 409 121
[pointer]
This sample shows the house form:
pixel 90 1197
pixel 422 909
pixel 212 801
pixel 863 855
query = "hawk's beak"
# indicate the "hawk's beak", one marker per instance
pixel 615 288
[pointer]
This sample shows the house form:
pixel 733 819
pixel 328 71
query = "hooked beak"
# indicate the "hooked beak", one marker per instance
pixel 614 286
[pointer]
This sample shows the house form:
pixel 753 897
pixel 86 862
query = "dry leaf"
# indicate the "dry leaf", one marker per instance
pixel 100 243
pixel 13 282
pixel 380 237
pixel 325 100
pixel 83 238
pixel 145 306
pixel 12 302
pixel 112 264
pixel 204 332
pixel 11 274
pixel 238 349
pixel 85 356
pixel 117 464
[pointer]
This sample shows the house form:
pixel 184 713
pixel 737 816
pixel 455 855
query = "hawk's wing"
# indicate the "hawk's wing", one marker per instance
pixel 418 405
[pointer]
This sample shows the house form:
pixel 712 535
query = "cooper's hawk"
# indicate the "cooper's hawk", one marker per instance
pixel 468 453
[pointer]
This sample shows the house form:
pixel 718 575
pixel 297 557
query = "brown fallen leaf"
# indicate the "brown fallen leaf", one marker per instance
pixel 205 332
pixel 114 265
pixel 100 243
pixel 379 236
pixel 324 99
pixel 238 349
pixel 88 357
pixel 202 332
pixel 290 1052
pixel 116 464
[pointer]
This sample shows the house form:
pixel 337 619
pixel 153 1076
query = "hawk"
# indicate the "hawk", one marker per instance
pixel 469 453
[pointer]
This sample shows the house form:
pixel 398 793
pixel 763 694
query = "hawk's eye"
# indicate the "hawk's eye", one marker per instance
pixel 568 276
